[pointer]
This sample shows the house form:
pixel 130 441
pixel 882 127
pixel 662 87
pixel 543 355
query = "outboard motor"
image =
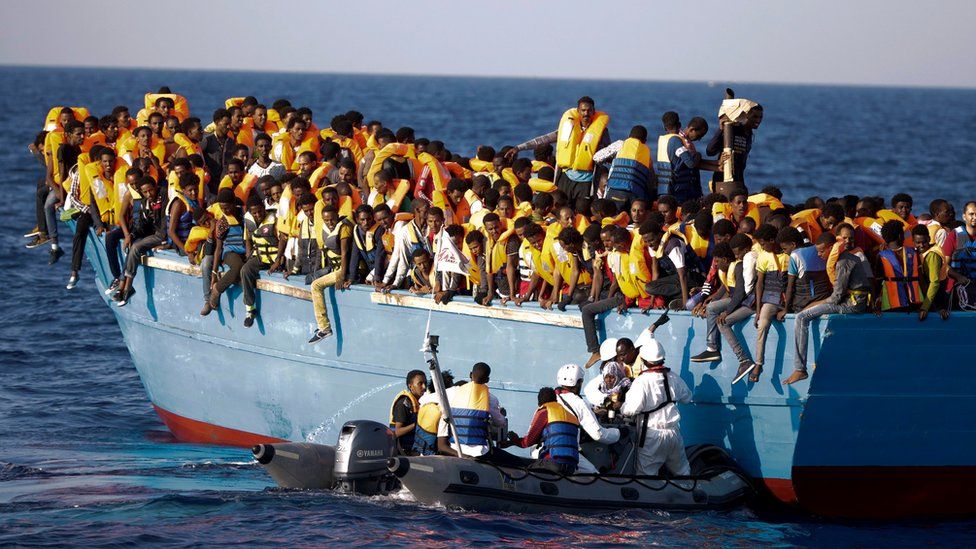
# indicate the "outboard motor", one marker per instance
pixel 357 464
pixel 298 464
pixel 360 458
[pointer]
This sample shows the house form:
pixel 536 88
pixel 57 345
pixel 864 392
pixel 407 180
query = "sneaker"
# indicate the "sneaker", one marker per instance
pixel 320 335
pixel 33 232
pixel 707 356
pixel 744 370
pixel 72 282
pixel 38 241
pixel 56 254
pixel 124 298
pixel 117 295
pixel 113 287
pixel 249 319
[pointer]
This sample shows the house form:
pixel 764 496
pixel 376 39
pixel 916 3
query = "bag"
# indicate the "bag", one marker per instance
pixel 966 296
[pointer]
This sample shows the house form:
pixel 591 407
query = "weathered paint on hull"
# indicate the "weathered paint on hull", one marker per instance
pixel 266 381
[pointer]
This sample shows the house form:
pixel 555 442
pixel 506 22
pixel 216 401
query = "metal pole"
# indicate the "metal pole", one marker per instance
pixel 435 376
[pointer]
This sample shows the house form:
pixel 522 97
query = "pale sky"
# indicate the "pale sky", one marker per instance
pixel 894 42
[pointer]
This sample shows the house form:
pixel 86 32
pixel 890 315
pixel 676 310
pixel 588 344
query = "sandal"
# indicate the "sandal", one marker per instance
pixel 754 376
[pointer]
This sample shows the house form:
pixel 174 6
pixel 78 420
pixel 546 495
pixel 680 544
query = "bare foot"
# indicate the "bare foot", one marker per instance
pixel 593 360
pixel 797 375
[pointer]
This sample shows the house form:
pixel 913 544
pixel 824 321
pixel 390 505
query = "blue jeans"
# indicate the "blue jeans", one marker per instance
pixel 712 310
pixel 803 318
pixel 51 216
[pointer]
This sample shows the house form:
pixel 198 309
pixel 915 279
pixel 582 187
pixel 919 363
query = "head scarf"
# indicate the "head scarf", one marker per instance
pixel 615 368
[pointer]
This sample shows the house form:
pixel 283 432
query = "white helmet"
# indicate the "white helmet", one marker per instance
pixel 652 352
pixel 608 349
pixel 569 375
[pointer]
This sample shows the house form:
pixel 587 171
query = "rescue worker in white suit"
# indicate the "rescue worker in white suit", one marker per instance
pixel 569 380
pixel 654 394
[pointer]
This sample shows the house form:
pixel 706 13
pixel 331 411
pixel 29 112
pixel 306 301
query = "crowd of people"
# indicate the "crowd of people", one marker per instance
pixel 571 218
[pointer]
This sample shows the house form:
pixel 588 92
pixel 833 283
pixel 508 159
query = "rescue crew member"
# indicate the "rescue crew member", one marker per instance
pixel 653 395
pixel 570 382
pixel 404 410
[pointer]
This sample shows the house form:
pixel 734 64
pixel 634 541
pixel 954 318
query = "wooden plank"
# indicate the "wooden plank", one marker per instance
pixel 515 314
pixel 512 313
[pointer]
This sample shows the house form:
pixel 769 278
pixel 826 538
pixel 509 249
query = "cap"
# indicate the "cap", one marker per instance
pixel 652 352
pixel 568 375
pixel 608 349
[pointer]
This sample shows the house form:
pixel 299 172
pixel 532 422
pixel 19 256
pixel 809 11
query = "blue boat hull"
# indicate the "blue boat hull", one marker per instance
pixel 887 400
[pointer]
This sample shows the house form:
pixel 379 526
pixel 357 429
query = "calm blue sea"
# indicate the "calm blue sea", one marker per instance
pixel 84 460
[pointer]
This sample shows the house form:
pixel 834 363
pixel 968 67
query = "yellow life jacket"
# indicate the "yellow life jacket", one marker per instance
pixel 538 165
pixel 439 173
pixel 541 262
pixel 808 222
pixel 233 102
pixel 264 236
pixel 937 250
pixel 327 237
pixel 350 144
pixel 428 416
pixel 318 178
pixel 767 200
pixel 481 166
pixel 631 273
pixel 413 403
pixel 495 252
pixel 541 185
pixel 723 210
pixel 181 108
pixel 458 170
pixel 51 120
pixel 198 235
pixel 563 261
pixel 282 150
pixel 697 243
pixel 188 146
pixel 633 149
pixel 574 147
pixel 728 276
pixel 97 138
pixel 93 180
pixel 391 150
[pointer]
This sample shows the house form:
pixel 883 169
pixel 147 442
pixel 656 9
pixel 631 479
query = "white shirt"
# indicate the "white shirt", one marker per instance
pixel 647 392
pixel 588 421
pixel 494 410
pixel 277 169
pixel 400 260
pixel 749 270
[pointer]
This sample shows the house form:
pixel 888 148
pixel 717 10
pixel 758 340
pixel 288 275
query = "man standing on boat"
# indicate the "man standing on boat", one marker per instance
pixel 581 133
pixel 653 396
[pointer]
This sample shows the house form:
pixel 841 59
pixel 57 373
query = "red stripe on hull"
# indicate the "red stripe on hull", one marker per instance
pixel 886 492
pixel 782 489
pixel 191 430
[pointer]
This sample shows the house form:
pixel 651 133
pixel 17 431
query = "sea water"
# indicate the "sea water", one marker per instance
pixel 83 458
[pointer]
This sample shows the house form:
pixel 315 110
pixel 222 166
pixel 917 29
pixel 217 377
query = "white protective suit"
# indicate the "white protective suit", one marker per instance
pixel 663 444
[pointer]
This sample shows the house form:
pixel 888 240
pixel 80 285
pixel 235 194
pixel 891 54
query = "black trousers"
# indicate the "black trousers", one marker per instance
pixel 39 199
pixel 83 223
